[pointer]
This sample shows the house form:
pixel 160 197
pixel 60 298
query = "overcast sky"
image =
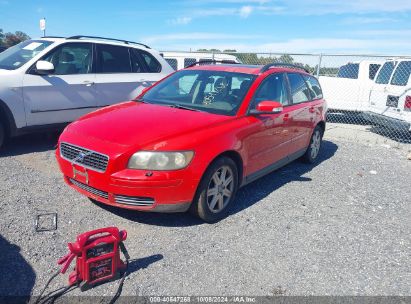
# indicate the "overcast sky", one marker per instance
pixel 295 26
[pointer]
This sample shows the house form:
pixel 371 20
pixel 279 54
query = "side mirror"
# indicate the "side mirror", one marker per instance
pixel 268 107
pixel 44 67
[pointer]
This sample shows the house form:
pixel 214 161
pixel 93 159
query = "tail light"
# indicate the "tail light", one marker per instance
pixel 407 105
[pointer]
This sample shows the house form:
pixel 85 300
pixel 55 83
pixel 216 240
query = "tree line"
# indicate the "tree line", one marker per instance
pixel 9 39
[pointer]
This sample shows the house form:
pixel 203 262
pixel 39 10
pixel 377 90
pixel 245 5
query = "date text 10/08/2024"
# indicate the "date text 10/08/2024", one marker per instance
pixel 202 299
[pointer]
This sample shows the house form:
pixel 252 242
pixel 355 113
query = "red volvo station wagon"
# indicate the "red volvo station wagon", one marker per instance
pixel 191 140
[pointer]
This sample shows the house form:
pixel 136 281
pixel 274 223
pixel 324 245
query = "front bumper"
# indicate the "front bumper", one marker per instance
pixel 386 121
pixel 133 189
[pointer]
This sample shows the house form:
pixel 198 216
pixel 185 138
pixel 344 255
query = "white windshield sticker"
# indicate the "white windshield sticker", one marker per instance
pixel 32 46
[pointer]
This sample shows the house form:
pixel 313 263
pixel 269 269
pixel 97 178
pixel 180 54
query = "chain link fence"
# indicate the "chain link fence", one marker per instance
pixel 365 93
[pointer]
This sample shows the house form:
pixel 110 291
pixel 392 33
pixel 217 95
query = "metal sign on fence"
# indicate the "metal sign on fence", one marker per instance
pixel 43 26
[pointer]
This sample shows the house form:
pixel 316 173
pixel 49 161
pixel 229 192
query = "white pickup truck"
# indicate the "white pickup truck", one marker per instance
pixel 349 91
pixel 390 97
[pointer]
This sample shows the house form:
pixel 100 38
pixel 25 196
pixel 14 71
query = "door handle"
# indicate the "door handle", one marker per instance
pixel 312 110
pixel 88 83
pixel 286 117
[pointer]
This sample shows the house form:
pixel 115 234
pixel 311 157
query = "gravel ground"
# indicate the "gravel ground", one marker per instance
pixel 341 227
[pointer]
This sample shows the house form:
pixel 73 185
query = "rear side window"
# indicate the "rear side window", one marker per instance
pixel 373 70
pixel 299 90
pixel 172 62
pixel 402 73
pixel 349 71
pixel 385 72
pixel 188 61
pixel 153 66
pixel 144 62
pixel 313 87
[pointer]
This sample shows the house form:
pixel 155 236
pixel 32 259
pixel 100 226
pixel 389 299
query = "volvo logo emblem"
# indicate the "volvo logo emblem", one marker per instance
pixel 80 156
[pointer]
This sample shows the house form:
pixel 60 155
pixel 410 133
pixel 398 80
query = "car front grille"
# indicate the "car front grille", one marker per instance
pixel 84 157
pixel 134 200
pixel 87 188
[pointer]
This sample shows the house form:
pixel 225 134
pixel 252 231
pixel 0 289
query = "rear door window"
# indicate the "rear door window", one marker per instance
pixel 373 70
pixel 113 59
pixel 299 90
pixel 188 61
pixel 137 64
pixel 385 73
pixel 349 71
pixel 402 73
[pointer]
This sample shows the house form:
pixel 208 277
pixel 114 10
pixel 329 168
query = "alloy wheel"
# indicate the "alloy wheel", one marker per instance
pixel 220 189
pixel 315 144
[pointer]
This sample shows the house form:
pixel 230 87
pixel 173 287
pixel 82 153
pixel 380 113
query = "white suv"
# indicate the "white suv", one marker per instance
pixel 49 82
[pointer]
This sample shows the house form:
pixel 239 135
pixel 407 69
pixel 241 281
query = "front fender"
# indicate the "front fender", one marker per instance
pixel 11 101
pixel 208 144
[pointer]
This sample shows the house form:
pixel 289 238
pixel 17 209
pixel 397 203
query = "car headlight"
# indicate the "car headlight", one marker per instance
pixel 148 160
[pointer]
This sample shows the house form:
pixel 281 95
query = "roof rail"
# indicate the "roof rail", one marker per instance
pixel 104 38
pixel 209 61
pixel 52 37
pixel 280 64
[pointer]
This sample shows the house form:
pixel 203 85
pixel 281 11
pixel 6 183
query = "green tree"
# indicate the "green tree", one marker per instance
pixel 286 58
pixel 210 50
pixel 11 39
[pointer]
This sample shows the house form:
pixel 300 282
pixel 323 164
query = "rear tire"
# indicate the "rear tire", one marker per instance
pixel 314 148
pixel 216 191
pixel 3 135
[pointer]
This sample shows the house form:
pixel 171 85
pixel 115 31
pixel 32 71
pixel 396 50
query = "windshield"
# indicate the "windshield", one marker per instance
pixel 216 92
pixel 19 54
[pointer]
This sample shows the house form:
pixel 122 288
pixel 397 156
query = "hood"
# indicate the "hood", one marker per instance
pixel 134 123
pixel 4 72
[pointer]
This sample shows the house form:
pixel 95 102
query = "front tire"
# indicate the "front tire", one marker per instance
pixel 216 191
pixel 313 149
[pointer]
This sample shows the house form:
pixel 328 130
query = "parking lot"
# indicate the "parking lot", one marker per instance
pixel 341 227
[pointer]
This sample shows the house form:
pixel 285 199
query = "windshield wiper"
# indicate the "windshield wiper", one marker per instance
pixel 179 106
pixel 140 100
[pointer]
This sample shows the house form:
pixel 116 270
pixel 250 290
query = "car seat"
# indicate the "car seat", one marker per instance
pixel 221 89
pixel 65 64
